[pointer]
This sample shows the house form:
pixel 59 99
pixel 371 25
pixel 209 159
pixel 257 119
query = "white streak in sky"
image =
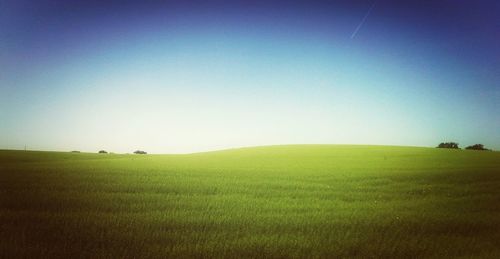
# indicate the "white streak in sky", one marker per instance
pixel 362 21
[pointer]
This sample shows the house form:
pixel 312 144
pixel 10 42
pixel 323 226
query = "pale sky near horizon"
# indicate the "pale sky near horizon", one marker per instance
pixel 184 76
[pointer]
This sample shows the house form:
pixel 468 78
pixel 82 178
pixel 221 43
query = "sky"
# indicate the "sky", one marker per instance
pixel 189 76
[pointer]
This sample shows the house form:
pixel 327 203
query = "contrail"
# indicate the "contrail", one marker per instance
pixel 362 21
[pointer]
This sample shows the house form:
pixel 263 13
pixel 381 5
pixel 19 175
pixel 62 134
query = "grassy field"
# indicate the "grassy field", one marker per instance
pixel 283 201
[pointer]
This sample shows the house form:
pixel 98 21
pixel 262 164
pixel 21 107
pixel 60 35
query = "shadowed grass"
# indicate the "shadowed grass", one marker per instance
pixel 281 201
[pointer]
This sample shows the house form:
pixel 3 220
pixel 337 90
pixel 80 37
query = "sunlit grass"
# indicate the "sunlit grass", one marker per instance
pixel 282 201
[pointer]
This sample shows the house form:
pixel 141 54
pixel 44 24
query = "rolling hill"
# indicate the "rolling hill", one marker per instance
pixel 310 201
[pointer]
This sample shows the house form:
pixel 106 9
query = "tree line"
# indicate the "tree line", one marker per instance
pixel 139 152
pixel 454 145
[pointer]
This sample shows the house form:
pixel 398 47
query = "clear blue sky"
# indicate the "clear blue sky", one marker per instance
pixel 180 76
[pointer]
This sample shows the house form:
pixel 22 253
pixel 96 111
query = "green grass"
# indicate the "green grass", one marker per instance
pixel 281 201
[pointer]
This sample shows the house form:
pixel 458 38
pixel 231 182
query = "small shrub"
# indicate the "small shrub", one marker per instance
pixel 140 152
pixel 103 152
pixel 476 147
pixel 448 145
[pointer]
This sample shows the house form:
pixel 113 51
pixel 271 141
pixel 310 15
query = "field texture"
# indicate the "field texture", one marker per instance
pixel 312 201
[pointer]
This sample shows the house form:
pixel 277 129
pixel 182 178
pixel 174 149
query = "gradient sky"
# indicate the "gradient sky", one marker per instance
pixel 169 77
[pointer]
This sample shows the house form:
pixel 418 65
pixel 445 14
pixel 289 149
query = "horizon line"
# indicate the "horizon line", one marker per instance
pixel 231 148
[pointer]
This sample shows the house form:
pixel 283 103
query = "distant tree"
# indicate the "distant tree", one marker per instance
pixel 476 147
pixel 140 152
pixel 448 145
pixel 75 151
pixel 103 152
